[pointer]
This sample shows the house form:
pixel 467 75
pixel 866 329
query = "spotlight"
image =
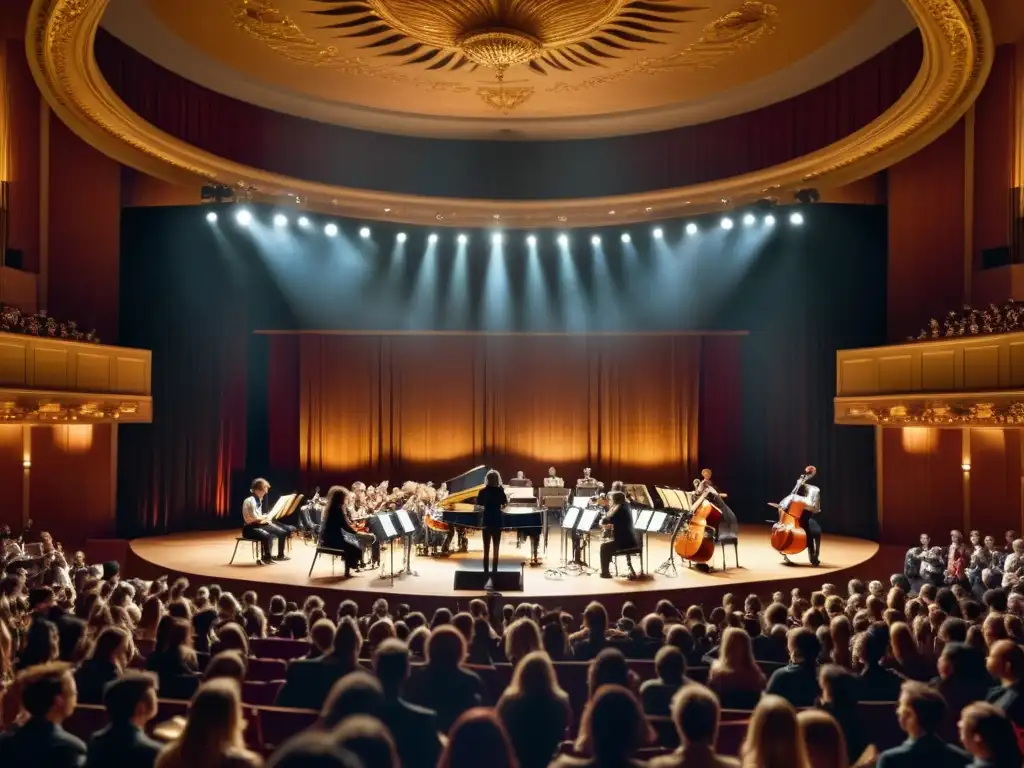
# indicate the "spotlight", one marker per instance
pixel 595 240
pixel 303 222
pixel 364 233
pixel 433 238
pixel 211 217
pixel 463 239
pixel 658 234
pixel 691 228
pixel 400 237
pixel 331 229
pixel 726 223
pixel 625 237
pixel 796 218
pixel 748 220
pixel 496 238
pixel 769 220
pixel 531 240
pixel 243 217
pixel 280 220
pixel 563 240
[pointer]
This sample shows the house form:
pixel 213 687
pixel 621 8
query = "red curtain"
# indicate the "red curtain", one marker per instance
pixel 431 406
pixel 332 154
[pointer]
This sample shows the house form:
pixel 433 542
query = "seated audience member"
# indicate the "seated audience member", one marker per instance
pixel 414 728
pixel 202 629
pixel 231 637
pixel 839 692
pixel 357 693
pixel 1006 664
pixel 876 682
pixel 695 713
pixel 49 697
pixel 734 676
pixel 174 659
pixel 443 684
pixel 962 680
pixel 481 647
pixel 823 739
pixel 773 738
pixel 910 661
pixel 41 645
pixel 612 731
pixel 321 637
pixel 310 680
pixel 107 661
pixel 213 731
pixel 610 668
pixel 521 638
pixel 229 664
pixel 535 711
pixel 989 737
pixel 313 749
pixel 131 703
pixel 920 713
pixel 478 738
pixel 670 668
pixel 592 638
pixel 368 739
pixel 797 682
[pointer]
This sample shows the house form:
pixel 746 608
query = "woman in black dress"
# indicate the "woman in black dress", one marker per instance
pixel 492 498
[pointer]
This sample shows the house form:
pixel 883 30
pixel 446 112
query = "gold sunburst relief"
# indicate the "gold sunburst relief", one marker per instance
pixel 505 97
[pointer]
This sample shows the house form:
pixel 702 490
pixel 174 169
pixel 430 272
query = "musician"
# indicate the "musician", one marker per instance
pixel 311 513
pixel 810 495
pixel 493 499
pixel 258 525
pixel 912 560
pixel 519 481
pixel 553 480
pixel 336 528
pixel 728 528
pixel 587 481
pixel 619 521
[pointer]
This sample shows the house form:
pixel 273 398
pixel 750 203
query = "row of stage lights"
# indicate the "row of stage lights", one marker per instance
pixel 243 218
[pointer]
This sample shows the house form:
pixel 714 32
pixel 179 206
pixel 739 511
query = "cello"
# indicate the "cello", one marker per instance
pixel 696 542
pixel 788 536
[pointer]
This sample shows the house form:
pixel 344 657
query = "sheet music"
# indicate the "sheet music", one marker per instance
pixel 644 521
pixel 388 525
pixel 580 501
pixel 636 517
pixel 408 526
pixel 281 506
pixel 657 521
pixel 587 519
pixel 571 516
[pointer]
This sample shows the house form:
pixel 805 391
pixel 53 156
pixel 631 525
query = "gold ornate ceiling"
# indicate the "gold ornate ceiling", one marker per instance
pixel 532 68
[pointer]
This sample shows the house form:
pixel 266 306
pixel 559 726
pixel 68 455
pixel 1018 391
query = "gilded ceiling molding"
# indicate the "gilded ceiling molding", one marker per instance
pixel 958 52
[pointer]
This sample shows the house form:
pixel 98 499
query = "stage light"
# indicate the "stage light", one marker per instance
pixel 595 240
pixel 243 217
pixel 463 239
pixel 769 220
pixel 211 217
pixel 364 233
pixel 625 237
pixel 331 229
pixel 965 467
pixel 303 222
pixel 563 240
pixel 658 234
pixel 691 228
pixel 496 238
pixel 748 220
pixel 280 220
pixel 796 218
pixel 726 223
pixel 531 240
pixel 400 237
pixel 433 238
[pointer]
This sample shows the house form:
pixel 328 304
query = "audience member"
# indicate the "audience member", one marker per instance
pixel 414 728
pixel 670 670
pixel 313 749
pixel 369 740
pixel 920 713
pixel 876 682
pixel 357 693
pixel 48 696
pixel 1006 664
pixel 535 711
pixel 613 729
pixel 131 703
pixel 773 736
pixel 477 733
pixel 823 739
pixel 107 661
pixel 443 684
pixel 309 681
pixel 695 714
pixel 734 675
pixel 213 731
pixel 797 682
pixel 989 737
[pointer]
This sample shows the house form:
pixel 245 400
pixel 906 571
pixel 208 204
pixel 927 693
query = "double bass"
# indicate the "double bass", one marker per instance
pixel 696 542
pixel 788 536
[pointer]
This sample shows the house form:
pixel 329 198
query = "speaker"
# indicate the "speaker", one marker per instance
pixel 996 257
pixel 470 575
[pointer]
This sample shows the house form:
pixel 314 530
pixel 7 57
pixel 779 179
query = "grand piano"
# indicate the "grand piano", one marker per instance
pixel 459 508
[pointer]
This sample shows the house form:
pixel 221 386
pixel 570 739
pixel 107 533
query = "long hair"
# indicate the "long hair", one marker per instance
pixel 478 732
pixel 535 676
pixel 521 638
pixel 735 653
pixel 213 727
pixel 773 737
pixel 823 739
pixel 613 726
pixel 492 478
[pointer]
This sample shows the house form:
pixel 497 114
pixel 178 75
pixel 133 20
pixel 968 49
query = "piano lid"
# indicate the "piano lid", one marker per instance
pixel 465 486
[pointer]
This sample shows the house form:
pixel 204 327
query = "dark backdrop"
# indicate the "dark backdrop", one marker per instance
pixel 194 293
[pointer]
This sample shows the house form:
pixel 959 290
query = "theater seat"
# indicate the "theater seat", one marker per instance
pixel 278 648
pixel 265 670
pixel 86 720
pixel 278 724
pixel 259 693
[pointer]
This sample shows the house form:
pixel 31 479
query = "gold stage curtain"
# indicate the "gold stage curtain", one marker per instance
pixel 429 406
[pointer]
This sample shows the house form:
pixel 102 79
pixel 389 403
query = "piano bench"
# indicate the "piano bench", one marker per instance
pixel 255 549
pixel 628 553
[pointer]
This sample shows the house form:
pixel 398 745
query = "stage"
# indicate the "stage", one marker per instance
pixel 203 557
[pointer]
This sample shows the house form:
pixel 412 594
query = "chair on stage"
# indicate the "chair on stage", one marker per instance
pixel 255 549
pixel 628 553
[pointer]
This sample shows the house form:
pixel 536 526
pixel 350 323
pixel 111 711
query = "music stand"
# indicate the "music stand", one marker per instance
pixel 588 522
pixel 383 527
pixel 569 521
pixel 678 502
pixel 408 526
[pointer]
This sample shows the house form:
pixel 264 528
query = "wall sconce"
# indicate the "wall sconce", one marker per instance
pixel 965 467
pixel 27 463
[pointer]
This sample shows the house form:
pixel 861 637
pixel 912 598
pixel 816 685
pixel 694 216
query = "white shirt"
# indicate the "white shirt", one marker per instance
pixel 812 501
pixel 553 482
pixel 251 510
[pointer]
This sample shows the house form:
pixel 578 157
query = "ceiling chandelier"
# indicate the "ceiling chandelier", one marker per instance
pixel 499 34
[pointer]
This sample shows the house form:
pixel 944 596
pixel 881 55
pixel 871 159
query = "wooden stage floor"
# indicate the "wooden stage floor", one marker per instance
pixel 203 557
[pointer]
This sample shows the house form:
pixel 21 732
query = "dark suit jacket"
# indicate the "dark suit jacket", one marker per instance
pixel 930 751
pixel 310 680
pixel 40 743
pixel 90 679
pixel 1010 699
pixel 122 744
pixel 415 731
pixel 796 683
pixel 880 684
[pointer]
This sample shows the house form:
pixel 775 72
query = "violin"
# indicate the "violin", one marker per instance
pixel 696 542
pixel 788 536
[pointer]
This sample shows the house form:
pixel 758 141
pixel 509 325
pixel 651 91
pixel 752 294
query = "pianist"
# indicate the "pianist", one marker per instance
pixel 259 527
pixel 493 499
pixel 553 480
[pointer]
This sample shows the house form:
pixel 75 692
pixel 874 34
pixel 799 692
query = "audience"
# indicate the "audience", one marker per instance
pixel 369 740
pixel 989 737
pixel 414 728
pixel 920 713
pixel 1006 664
pixel 773 736
pixel 478 736
pixel 612 731
pixel 823 738
pixel 734 675
pixel 670 670
pixel 443 683
pixel 48 696
pixel 535 711
pixel 695 714
pixel 213 731
pixel 797 682
pixel 131 703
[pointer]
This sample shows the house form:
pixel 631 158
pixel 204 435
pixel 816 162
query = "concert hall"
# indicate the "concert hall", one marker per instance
pixel 658 362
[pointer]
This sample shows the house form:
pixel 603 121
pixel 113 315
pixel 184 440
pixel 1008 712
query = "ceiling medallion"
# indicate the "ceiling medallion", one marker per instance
pixel 505 98
pixel 547 35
